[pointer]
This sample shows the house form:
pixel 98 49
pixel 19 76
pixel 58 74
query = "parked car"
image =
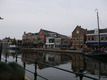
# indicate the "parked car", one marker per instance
pixel 72 48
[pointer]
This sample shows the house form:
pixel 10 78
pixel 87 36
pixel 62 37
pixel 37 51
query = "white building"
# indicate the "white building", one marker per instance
pixel 6 42
pixel 92 37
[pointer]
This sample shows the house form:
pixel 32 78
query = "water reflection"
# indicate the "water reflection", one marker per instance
pixel 96 67
pixel 48 58
pixel 90 66
pixel 78 61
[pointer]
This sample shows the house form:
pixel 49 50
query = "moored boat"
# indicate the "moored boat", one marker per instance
pixel 13 47
pixel 100 54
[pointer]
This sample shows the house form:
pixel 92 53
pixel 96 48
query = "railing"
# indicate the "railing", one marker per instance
pixel 80 73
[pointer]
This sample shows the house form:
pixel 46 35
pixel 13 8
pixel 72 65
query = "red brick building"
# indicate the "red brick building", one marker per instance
pixel 29 39
pixel 41 38
pixel 79 37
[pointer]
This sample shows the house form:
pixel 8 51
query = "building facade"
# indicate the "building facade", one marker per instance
pixel 92 38
pixel 34 40
pixel 30 39
pixel 79 37
pixel 41 38
pixel 50 42
pixel 67 43
pixel 6 42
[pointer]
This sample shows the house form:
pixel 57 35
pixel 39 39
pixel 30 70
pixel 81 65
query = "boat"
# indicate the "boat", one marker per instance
pixel 98 52
pixel 13 47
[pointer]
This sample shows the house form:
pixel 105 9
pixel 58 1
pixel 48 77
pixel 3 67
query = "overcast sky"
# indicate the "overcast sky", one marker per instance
pixel 60 16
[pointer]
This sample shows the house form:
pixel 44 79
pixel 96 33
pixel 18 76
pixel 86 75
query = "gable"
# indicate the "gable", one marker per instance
pixel 78 30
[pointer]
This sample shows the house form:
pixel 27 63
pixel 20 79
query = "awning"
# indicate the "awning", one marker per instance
pixel 96 43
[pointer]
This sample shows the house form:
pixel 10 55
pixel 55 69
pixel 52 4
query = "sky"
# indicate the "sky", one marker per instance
pixel 61 16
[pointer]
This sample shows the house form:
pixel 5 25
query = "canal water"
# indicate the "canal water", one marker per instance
pixel 93 67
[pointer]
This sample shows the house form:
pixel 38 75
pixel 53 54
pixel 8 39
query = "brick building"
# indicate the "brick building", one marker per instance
pixel 79 37
pixel 41 37
pixel 47 39
pixel 29 39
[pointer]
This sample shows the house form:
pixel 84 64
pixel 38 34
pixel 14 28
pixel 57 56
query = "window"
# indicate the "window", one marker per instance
pixel 65 42
pixel 106 38
pixel 92 38
pixel 77 39
pixel 51 40
pixel 40 32
pixel 57 41
pixel 77 31
pixel 97 38
pixel 89 38
pixel 102 37
pixel 81 38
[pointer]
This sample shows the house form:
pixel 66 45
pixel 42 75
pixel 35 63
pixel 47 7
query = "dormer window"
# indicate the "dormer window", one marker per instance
pixel 40 32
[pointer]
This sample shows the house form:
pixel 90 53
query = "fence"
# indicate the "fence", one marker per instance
pixel 80 73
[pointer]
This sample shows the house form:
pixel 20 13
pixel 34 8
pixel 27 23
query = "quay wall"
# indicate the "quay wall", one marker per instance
pixel 56 50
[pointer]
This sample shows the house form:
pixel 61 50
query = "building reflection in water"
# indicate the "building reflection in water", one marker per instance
pixel 45 57
pixel 78 61
pixel 5 53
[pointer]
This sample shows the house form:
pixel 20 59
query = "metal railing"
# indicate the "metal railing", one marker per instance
pixel 80 73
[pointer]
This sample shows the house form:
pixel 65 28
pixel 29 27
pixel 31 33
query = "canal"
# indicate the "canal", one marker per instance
pixel 93 67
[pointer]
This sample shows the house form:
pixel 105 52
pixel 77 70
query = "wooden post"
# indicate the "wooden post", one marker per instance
pixel 6 58
pixel 35 74
pixel 24 64
pixel 16 57
pixel 0 51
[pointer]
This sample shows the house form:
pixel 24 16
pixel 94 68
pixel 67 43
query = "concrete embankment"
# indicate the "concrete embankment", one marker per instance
pixel 56 50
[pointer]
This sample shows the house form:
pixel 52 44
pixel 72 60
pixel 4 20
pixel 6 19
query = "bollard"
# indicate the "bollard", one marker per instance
pixel 35 74
pixel 81 73
pixel 24 64
pixel 16 57
pixel 6 58
pixel 0 54
pixel 0 51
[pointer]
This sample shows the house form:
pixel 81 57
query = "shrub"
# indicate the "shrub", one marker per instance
pixel 11 71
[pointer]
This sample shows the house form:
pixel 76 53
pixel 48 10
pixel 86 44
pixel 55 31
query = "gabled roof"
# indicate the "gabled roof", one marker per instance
pixel 84 30
pixel 46 32
pixel 34 33
pixel 31 33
